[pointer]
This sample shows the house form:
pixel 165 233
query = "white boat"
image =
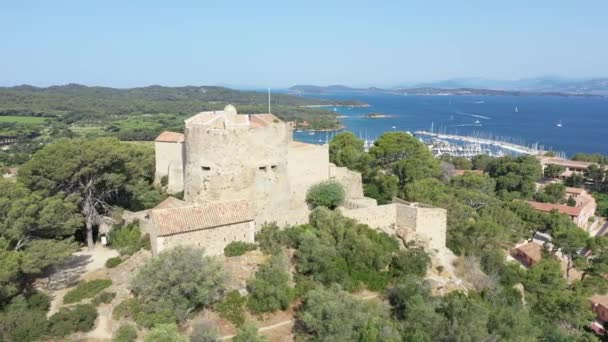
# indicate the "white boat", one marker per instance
pixel 477 122
pixel 311 133
pixel 559 124
pixel 335 109
pixel 299 131
pixel 394 127
pixel 516 110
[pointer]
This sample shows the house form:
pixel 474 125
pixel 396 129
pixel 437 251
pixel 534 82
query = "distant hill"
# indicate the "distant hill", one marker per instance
pixel 428 90
pixel 597 86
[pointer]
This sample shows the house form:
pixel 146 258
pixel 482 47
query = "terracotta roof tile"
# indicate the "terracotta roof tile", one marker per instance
pixel 190 218
pixel 171 202
pixel 167 136
pixel 599 299
pixel 533 250
pixel 564 209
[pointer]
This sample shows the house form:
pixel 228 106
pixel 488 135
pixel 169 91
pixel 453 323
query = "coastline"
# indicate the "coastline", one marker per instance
pixel 364 105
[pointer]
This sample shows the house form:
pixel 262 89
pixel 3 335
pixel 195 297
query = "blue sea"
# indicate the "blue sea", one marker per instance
pixel 524 120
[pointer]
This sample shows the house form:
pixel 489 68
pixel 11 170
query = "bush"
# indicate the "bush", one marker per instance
pixel 249 333
pixel 126 333
pixel 24 320
pixel 72 319
pixel 194 281
pixel 87 289
pixel 231 308
pixel 146 316
pixel 128 239
pixel 236 248
pixel 165 333
pixel 113 262
pixel 413 260
pixel 104 297
pixel 270 238
pixel 328 194
pixel 204 331
pixel 269 289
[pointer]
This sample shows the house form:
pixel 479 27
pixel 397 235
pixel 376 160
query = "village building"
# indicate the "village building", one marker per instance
pixel 580 214
pixel 238 172
pixel 571 166
pixel 599 305
pixel 529 254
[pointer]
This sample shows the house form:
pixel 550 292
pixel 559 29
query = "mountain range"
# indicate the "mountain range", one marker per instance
pixel 548 85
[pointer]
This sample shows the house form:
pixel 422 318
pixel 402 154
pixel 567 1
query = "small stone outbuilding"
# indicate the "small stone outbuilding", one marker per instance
pixel 212 225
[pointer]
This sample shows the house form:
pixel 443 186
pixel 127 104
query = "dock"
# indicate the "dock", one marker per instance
pixel 502 144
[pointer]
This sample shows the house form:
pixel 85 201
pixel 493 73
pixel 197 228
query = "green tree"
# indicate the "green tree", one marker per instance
pixel 461 163
pixel 193 280
pixel 346 150
pixel 576 180
pixel 552 193
pixel 204 331
pixel 554 171
pixel 269 290
pixel 249 333
pixel 100 173
pixel 334 315
pixel 328 194
pixel 481 161
pixel 165 333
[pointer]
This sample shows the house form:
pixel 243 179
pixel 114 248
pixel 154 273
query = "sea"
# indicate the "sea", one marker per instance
pixel 563 124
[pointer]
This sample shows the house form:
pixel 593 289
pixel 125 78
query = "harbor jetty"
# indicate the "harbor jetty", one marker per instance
pixel 534 150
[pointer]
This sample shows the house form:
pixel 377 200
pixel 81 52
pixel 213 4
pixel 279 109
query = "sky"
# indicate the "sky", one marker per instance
pixel 126 43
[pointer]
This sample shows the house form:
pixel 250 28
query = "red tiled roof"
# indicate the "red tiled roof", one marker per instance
pixel 564 209
pixel 185 219
pixel 459 172
pixel 599 299
pixel 533 250
pixel 570 190
pixel 171 202
pixel 167 136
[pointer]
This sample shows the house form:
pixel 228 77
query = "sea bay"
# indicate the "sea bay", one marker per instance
pixel 524 120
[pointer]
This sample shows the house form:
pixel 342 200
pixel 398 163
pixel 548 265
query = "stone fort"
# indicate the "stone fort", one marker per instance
pixel 239 171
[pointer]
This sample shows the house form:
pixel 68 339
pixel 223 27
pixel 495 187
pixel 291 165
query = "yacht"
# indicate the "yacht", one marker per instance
pixel 516 110
pixel 559 124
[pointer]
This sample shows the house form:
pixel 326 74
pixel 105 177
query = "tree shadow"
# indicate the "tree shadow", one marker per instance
pixel 67 274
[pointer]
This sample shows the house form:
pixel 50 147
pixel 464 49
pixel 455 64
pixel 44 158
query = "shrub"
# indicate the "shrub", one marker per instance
pixel 236 248
pixel 269 289
pixel 128 239
pixel 204 331
pixel 270 238
pixel 146 316
pixel 165 333
pixel 87 289
pixel 72 319
pixel 231 308
pixel 104 297
pixel 24 320
pixel 113 262
pixel 126 333
pixel 249 333
pixel 126 309
pixel 39 301
pixel 194 281
pixel 328 194
pixel 164 180
pixel 413 260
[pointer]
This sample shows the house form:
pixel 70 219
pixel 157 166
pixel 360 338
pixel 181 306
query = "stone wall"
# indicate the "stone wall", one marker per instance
pixel 239 164
pixel 351 180
pixel 169 162
pixel 214 240
pixel 381 217
pixel 428 223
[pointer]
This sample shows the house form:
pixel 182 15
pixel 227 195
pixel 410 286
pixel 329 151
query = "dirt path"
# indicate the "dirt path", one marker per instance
pixel 71 272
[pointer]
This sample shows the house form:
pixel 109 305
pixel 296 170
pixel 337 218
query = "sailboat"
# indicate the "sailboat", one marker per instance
pixel 559 124
pixel 516 110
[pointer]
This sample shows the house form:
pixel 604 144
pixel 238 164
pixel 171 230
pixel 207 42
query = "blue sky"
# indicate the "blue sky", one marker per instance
pixel 127 43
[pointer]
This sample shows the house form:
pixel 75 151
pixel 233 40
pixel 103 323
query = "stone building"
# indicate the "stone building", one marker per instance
pixel 230 158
